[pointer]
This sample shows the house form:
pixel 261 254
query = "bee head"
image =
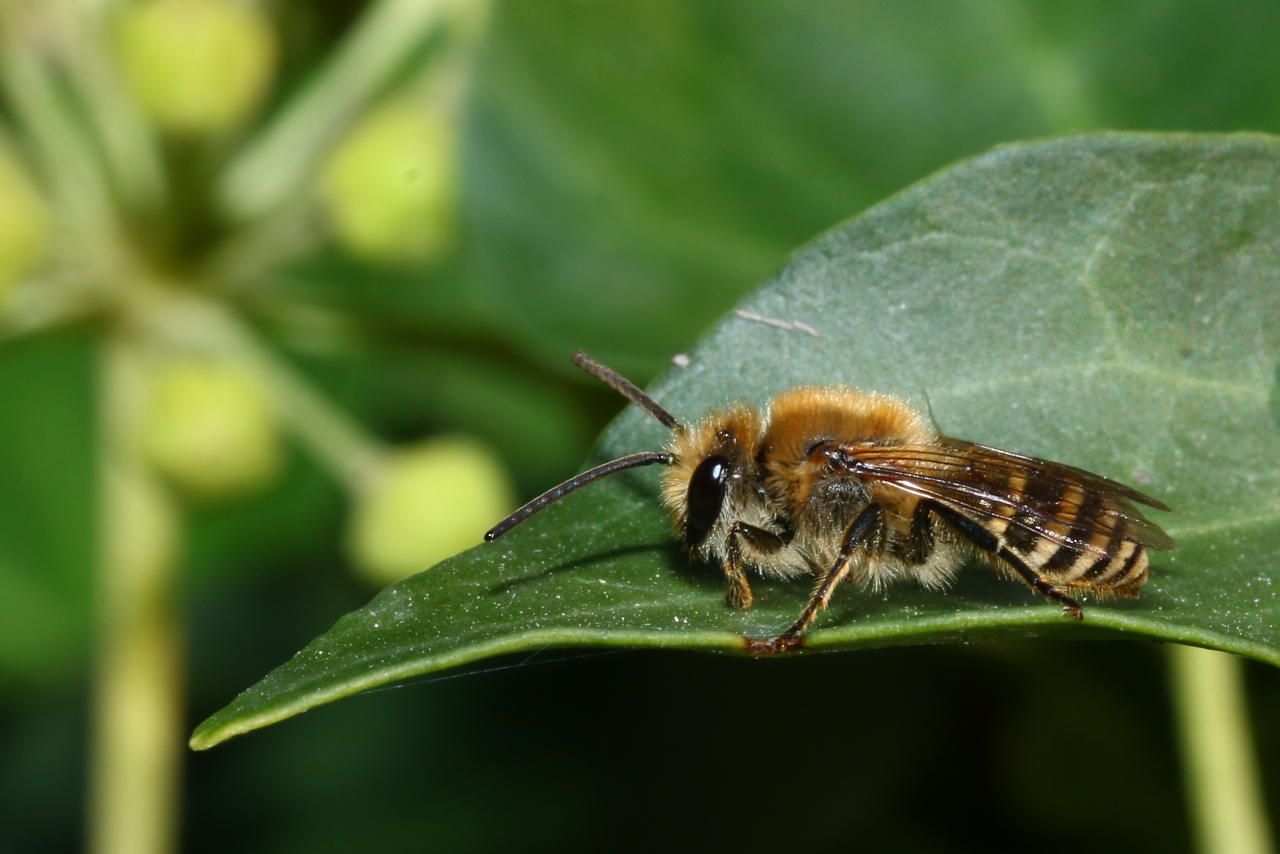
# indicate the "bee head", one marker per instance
pixel 628 390
pixel 712 479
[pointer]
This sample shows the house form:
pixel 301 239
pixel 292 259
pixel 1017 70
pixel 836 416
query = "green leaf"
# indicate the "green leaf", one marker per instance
pixel 46 507
pixel 1109 301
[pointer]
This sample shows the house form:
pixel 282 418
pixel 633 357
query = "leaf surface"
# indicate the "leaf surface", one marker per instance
pixel 1110 301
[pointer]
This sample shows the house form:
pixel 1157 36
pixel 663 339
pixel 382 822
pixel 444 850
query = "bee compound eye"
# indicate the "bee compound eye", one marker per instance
pixel 705 496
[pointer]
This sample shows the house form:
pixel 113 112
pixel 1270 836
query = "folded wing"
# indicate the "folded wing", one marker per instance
pixel 1019 499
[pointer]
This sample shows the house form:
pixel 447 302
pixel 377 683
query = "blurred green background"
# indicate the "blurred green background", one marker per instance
pixel 343 251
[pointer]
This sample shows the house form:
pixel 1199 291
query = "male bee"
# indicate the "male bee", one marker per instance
pixel 844 485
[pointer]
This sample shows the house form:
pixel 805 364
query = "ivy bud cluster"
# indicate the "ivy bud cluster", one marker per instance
pixel 378 172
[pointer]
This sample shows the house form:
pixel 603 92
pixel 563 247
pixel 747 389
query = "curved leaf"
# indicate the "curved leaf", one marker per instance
pixel 1110 301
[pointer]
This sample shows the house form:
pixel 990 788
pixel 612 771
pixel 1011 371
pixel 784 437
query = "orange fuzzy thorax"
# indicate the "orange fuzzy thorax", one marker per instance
pixel 797 418
pixel 784 432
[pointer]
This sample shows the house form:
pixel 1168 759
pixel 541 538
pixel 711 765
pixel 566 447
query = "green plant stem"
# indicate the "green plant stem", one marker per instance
pixel 1224 789
pixel 273 166
pixel 247 260
pixel 1048 68
pixel 71 168
pixel 128 146
pixel 137 745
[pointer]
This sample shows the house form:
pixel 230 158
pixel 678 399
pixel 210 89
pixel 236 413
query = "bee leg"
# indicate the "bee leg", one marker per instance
pixel 1038 584
pixel 920 543
pixel 862 530
pixel 985 540
pixel 765 542
pixel 739 595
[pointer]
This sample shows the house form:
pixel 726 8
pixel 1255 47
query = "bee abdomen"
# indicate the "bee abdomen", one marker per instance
pixel 1121 567
pixel 1080 556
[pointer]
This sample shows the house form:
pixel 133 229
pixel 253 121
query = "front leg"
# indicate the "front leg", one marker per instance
pixel 764 542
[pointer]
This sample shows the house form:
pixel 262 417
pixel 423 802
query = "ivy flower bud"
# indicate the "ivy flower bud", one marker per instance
pixel 390 186
pixel 211 430
pixel 197 66
pixel 431 502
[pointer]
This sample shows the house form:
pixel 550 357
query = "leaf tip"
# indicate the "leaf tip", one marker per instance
pixel 212 733
pixel 202 740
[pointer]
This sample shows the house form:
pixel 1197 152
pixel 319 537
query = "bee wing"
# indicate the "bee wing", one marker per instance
pixel 1067 505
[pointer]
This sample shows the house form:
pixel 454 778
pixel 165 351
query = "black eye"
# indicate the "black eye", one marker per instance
pixel 706 494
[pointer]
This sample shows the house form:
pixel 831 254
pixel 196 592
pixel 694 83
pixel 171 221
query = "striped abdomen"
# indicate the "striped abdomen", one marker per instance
pixel 1074 537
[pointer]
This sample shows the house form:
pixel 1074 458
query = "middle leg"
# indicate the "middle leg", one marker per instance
pixel 864 529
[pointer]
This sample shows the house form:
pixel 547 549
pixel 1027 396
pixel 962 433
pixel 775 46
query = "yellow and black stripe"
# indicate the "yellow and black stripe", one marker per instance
pixel 1081 545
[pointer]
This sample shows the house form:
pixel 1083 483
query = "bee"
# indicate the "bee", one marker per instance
pixel 837 484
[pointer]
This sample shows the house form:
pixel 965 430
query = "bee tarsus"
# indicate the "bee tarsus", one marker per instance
pixel 773 646
pixel 763 541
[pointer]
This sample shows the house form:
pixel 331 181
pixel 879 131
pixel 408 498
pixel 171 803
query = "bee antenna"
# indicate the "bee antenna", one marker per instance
pixel 551 496
pixel 626 388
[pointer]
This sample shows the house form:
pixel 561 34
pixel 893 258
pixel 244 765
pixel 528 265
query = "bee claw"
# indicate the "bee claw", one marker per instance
pixel 755 646
pixel 787 643
pixel 1070 607
pixel 782 643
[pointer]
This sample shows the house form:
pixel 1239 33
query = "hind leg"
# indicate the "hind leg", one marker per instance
pixel 985 540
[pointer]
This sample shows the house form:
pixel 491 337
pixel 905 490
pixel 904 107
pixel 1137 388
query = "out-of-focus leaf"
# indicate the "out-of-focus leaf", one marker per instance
pixel 294 520
pixel 46 506
pixel 1109 301
pixel 633 167
pixel 539 429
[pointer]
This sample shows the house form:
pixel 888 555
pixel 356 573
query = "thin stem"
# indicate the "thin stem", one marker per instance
pixel 42 302
pixel 293 227
pixel 71 168
pixel 137 743
pixel 128 144
pixel 1224 788
pixel 245 258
